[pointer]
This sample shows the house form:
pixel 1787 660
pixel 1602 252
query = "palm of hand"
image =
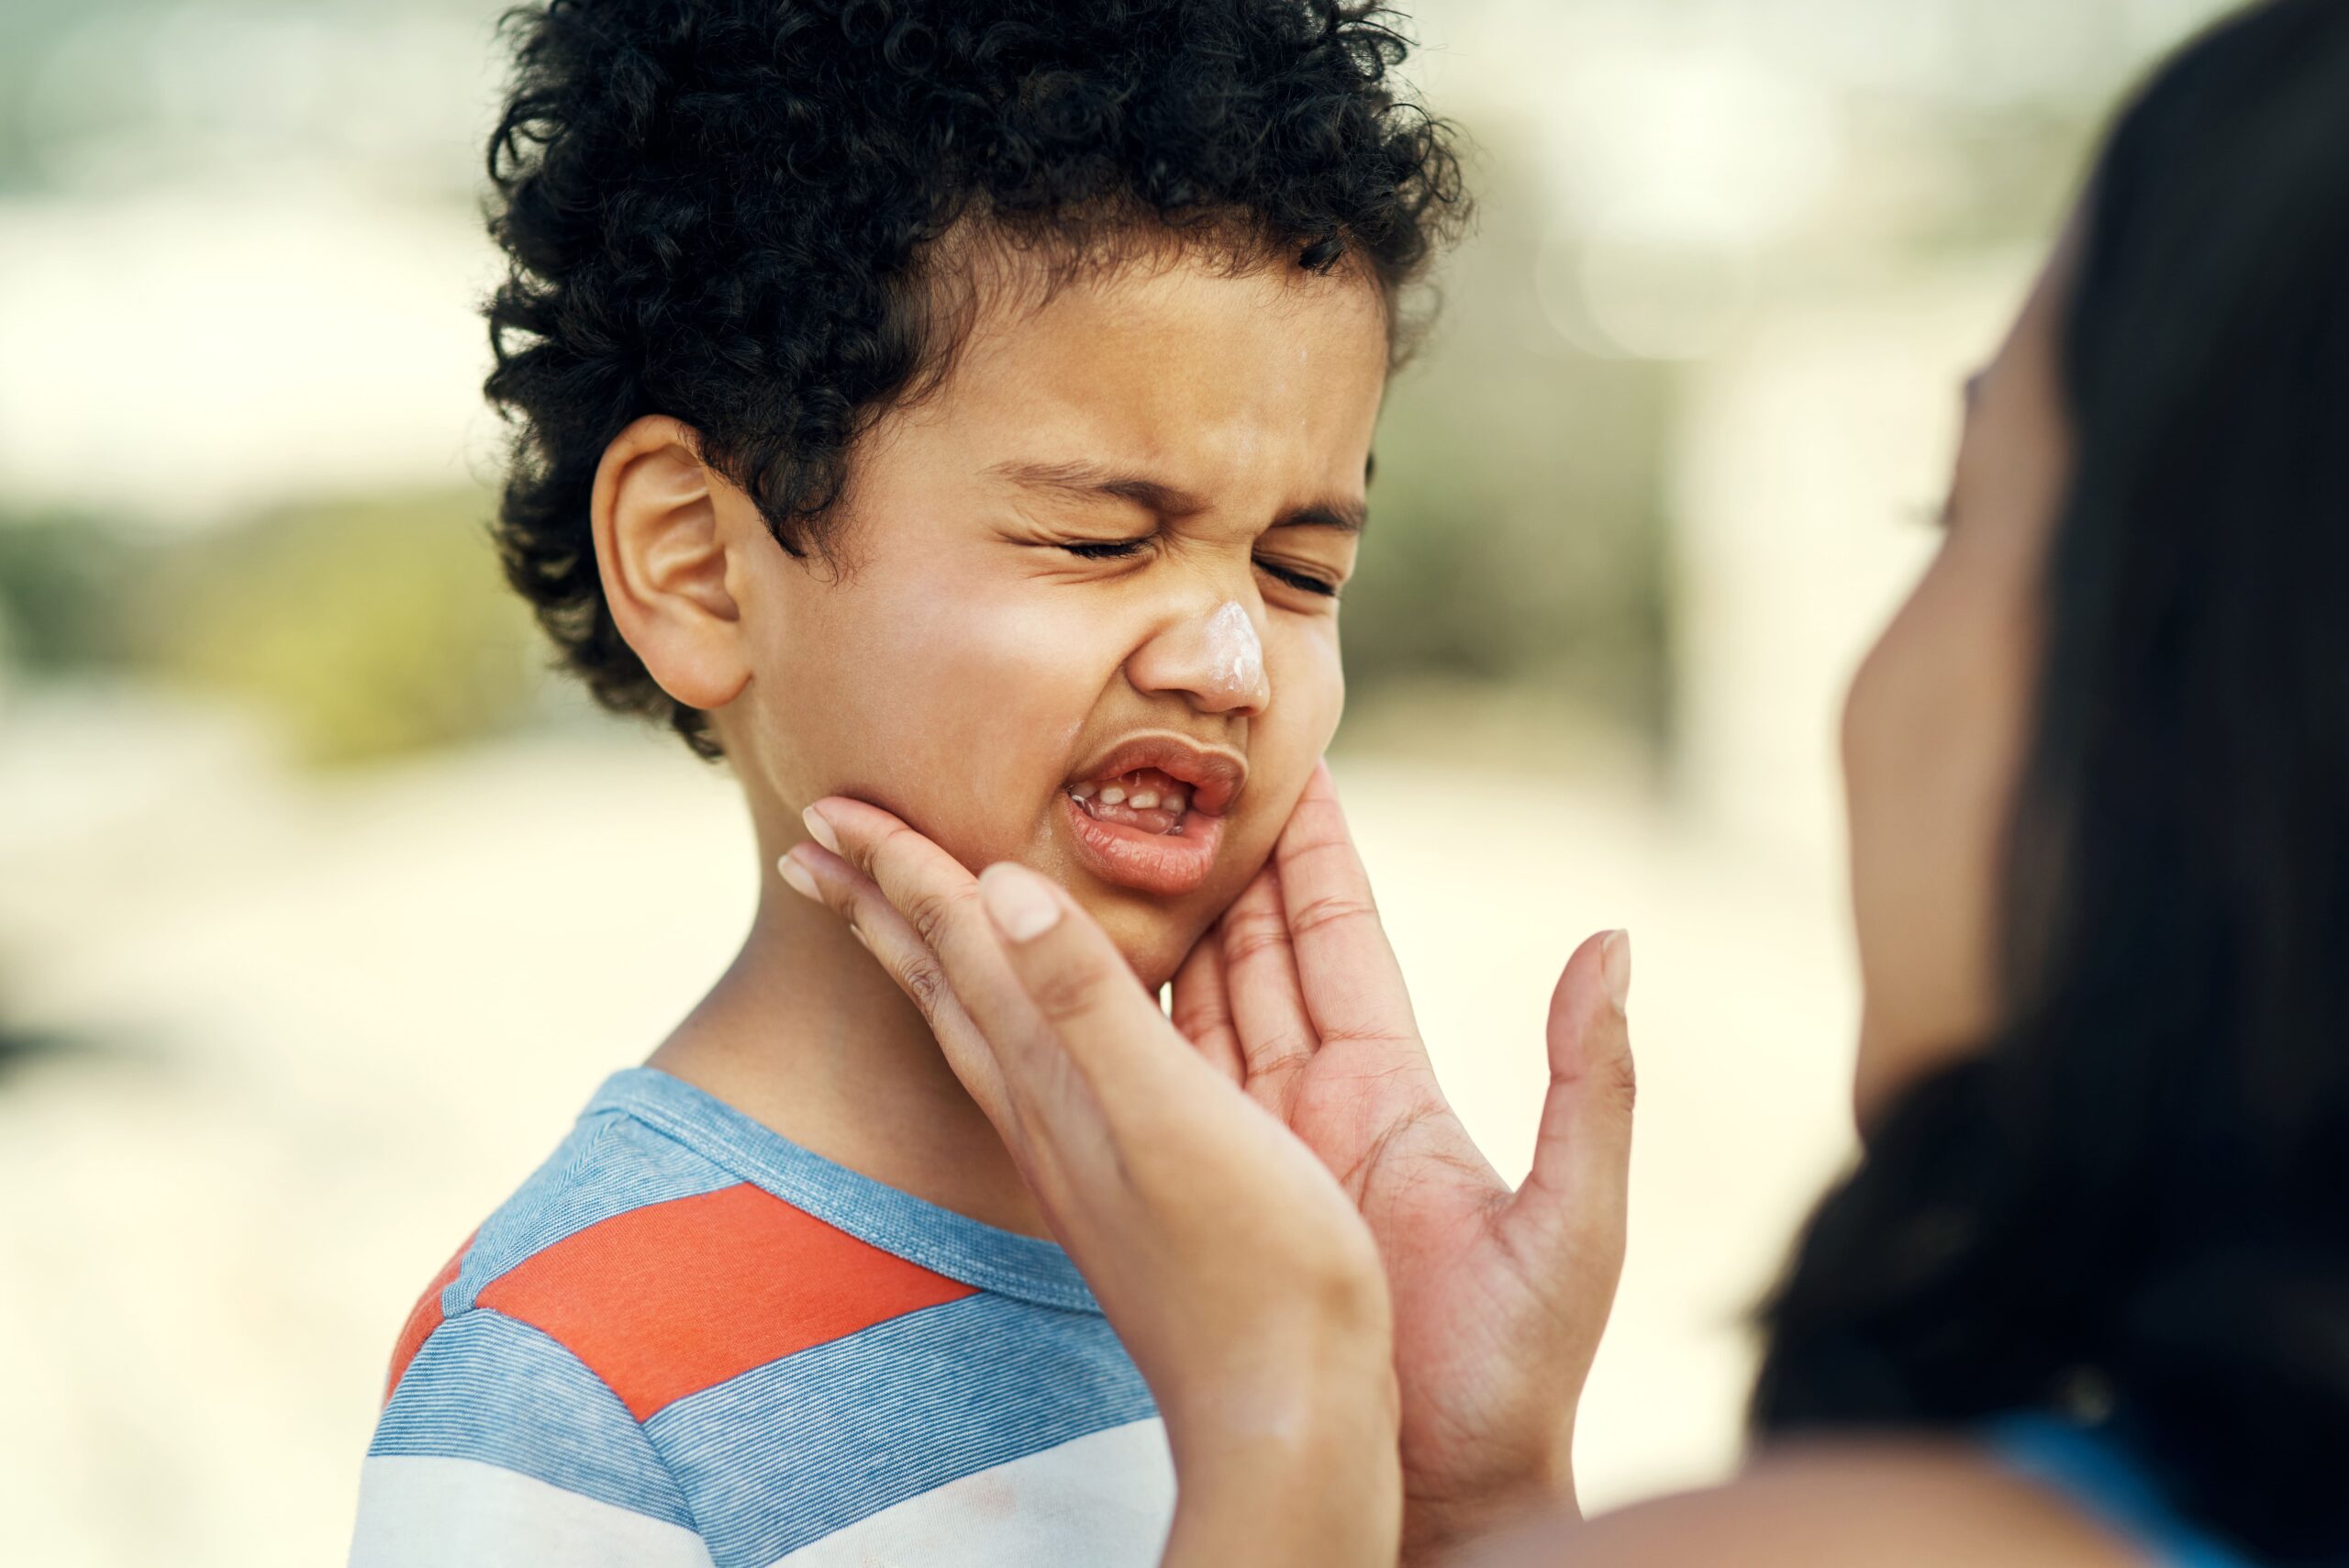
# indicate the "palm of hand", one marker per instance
pixel 1487 1406
pixel 1498 1296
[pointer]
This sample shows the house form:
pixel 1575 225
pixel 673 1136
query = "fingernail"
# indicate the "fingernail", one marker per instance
pixel 796 877
pixel 1018 902
pixel 819 829
pixel 1614 967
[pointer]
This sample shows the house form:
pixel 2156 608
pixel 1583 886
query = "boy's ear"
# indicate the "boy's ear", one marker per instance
pixel 662 556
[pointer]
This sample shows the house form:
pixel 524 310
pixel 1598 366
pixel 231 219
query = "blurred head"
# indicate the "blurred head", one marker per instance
pixel 1937 720
pixel 965 405
pixel 2099 779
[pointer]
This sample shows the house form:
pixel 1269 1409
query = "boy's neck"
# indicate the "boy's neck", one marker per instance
pixel 806 1034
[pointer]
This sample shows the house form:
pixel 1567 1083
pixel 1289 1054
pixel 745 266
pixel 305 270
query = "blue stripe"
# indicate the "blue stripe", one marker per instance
pixel 788 1452
pixel 2092 1466
pixel 488 1388
pixel 938 1239
pixel 608 1165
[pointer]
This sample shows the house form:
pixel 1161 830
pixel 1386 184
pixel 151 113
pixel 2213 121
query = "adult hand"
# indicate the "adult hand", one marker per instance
pixel 1500 1295
pixel 1240 1277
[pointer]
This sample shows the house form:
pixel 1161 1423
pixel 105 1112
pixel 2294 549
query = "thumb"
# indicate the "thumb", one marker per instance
pixel 1095 1012
pixel 1573 1203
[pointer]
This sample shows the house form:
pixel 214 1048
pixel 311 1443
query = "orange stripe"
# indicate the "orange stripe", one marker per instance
pixel 422 1318
pixel 675 1298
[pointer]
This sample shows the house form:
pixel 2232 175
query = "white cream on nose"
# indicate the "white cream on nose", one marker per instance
pixel 1235 653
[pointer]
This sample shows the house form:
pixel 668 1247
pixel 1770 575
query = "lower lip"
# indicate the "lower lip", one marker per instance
pixel 1168 864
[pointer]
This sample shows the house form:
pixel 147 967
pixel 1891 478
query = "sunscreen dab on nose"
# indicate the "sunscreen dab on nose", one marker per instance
pixel 1234 651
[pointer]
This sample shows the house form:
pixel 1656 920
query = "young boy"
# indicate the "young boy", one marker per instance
pixel 965 405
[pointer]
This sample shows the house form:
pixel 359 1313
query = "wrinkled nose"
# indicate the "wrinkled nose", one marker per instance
pixel 1214 661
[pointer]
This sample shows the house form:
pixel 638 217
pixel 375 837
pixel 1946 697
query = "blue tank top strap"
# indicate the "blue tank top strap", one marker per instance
pixel 2093 1467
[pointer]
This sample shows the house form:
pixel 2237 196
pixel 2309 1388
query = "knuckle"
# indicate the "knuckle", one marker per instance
pixel 1620 1081
pixel 1311 845
pixel 1197 1018
pixel 933 913
pixel 1253 936
pixel 925 984
pixel 1331 909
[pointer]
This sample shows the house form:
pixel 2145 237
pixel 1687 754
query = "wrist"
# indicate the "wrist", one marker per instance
pixel 1437 1526
pixel 1294 1460
pixel 1323 1491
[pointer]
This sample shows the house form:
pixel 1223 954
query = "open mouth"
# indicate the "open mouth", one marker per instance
pixel 1145 798
pixel 1149 815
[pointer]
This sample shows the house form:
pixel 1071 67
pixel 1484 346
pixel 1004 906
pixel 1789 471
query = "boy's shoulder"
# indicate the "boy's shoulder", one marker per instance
pixel 663 1270
pixel 681 1322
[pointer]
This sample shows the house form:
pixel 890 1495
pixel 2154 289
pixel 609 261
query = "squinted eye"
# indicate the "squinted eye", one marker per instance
pixel 1105 550
pixel 1303 582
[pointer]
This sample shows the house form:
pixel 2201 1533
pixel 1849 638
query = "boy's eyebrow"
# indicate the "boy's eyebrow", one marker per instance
pixel 1346 517
pixel 1344 514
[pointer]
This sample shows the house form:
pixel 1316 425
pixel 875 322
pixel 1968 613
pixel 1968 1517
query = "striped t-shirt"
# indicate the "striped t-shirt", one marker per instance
pixel 686 1342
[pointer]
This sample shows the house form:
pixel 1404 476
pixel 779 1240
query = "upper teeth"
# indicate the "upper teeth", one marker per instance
pixel 1137 800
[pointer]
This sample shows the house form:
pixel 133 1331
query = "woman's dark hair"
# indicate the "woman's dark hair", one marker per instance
pixel 725 211
pixel 2140 1190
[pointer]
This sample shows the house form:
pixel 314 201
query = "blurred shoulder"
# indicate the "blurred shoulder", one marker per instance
pixel 1842 1504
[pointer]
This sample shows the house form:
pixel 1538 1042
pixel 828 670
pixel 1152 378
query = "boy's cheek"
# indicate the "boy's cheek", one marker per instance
pixel 1308 694
pixel 1296 734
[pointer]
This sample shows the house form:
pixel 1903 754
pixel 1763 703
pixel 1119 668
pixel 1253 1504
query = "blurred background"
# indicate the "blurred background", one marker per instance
pixel 323 907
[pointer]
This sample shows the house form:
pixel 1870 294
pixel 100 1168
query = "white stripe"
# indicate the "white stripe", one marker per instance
pixel 1105 1501
pixel 416 1512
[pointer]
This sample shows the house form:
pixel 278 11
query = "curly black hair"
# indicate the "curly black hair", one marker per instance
pixel 725 211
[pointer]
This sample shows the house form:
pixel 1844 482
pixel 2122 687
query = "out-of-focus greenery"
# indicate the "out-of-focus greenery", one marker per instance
pixel 63 577
pixel 1516 531
pixel 371 627
pixel 365 628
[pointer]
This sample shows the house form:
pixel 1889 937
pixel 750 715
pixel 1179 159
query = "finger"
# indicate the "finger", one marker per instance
pixel 935 892
pixel 1084 994
pixel 1353 987
pixel 1013 1099
pixel 1573 1202
pixel 816 872
pixel 938 897
pixel 1202 1006
pixel 1276 1035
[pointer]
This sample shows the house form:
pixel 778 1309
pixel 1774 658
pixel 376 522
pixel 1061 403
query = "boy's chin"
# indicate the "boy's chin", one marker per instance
pixel 1154 942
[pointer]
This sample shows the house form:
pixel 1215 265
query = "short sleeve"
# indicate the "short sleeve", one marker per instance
pixel 500 1448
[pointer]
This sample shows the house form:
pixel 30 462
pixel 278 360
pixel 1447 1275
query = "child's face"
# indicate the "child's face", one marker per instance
pixel 1085 568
